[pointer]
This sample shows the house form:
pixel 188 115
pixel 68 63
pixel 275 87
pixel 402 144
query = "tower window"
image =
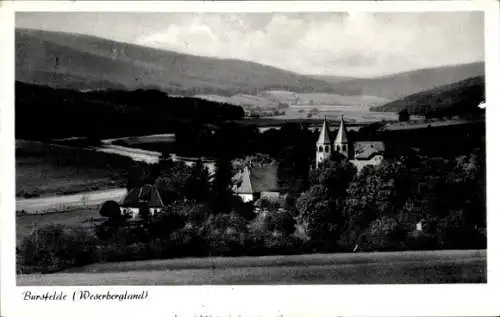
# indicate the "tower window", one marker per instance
pixel 344 148
pixel 320 149
pixel 338 148
pixel 327 148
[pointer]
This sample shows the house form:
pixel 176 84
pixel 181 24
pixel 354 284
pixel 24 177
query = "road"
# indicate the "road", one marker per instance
pixel 416 267
pixel 62 202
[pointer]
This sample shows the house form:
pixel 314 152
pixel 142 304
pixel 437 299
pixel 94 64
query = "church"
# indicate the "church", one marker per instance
pixel 360 154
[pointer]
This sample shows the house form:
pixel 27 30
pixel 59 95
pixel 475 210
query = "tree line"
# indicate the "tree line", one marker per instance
pixel 330 209
pixel 43 112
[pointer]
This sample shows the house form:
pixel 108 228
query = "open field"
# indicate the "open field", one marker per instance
pixel 362 268
pixel 68 202
pixel 75 217
pixel 420 124
pixel 153 138
pixel 356 114
pixel 37 178
pixel 270 99
pixel 46 169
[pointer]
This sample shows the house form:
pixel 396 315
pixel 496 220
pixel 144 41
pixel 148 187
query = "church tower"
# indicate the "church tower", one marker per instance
pixel 341 145
pixel 323 145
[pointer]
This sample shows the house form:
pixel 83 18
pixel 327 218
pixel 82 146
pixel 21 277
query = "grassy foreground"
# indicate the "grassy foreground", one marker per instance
pixel 467 266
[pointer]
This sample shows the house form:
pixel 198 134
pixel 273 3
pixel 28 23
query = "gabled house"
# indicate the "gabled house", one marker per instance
pixel 367 153
pixel 146 196
pixel 258 182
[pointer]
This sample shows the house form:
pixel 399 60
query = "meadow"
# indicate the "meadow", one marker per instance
pixel 46 169
pixel 464 266
pixel 353 113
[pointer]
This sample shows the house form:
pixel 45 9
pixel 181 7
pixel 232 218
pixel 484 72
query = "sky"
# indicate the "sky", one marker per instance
pixel 358 44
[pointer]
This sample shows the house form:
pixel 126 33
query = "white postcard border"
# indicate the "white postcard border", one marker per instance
pixel 344 300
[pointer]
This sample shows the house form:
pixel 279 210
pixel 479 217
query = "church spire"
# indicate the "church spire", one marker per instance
pixel 341 143
pixel 342 134
pixel 323 145
pixel 324 135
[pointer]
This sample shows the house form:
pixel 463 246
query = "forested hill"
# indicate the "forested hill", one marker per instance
pixel 459 98
pixel 65 60
pixel 44 112
pixel 396 86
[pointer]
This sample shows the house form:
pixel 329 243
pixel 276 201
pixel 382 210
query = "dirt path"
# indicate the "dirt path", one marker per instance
pixel 62 202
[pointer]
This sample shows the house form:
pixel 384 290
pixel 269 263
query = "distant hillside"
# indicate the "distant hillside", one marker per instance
pixel 399 85
pixel 273 98
pixel 75 61
pixel 462 97
pixel 323 99
pixel 332 79
pixel 44 112
pixel 66 60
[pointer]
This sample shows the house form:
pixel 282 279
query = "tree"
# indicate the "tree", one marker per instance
pixel 253 160
pixel 376 192
pixel 110 209
pixel 172 182
pixel 334 176
pixel 222 192
pixel 136 176
pixel 404 115
pixel 197 185
pixel 320 209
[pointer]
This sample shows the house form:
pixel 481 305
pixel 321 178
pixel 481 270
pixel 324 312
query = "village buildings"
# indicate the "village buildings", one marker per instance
pixel 360 153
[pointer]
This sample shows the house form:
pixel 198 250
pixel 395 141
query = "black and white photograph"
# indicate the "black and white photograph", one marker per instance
pixel 256 147
pixel 250 148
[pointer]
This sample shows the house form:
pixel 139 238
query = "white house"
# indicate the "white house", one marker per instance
pixel 146 196
pixel 258 182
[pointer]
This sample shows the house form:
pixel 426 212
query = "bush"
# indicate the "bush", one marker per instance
pixel 110 209
pixel 418 240
pixel 56 247
pixel 404 115
pixel 111 252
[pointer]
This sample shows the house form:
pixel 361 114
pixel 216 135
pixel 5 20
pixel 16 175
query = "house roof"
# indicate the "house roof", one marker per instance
pixel 324 135
pixel 146 195
pixel 342 134
pixel 365 150
pixel 259 179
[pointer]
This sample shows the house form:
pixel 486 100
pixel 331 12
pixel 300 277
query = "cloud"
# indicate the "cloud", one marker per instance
pixel 357 43
pixel 349 44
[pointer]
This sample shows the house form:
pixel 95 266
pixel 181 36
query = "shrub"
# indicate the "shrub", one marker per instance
pixel 404 115
pixel 110 209
pixel 282 221
pixel 224 234
pixel 56 247
pixel 418 240
pixel 111 252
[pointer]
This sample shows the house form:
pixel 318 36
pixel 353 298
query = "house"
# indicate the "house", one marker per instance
pixel 367 153
pixel 258 182
pixel 360 154
pixel 146 196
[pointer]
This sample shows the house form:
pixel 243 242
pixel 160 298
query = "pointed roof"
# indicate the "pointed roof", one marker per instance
pixel 342 134
pixel 146 195
pixel 324 135
pixel 259 179
pixel 246 184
